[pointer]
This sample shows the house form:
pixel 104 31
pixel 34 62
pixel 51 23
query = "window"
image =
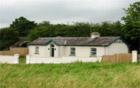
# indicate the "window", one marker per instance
pixel 37 50
pixel 72 52
pixel 93 52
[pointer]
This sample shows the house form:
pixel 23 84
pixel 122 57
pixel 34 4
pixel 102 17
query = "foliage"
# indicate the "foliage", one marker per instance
pixel 7 37
pixel 132 25
pixel 50 30
pixel 22 26
pixel 76 30
pixel 76 75
pixel 108 29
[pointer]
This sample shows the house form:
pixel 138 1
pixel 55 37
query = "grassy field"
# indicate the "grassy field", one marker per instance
pixel 76 75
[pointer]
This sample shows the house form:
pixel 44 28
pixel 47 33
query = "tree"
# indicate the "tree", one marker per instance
pixel 108 29
pixel 82 29
pixel 53 30
pixel 43 29
pixel 131 28
pixel 7 37
pixel 23 26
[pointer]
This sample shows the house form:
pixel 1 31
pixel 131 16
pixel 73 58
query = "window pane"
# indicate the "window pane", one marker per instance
pixel 36 50
pixel 93 51
pixel 72 52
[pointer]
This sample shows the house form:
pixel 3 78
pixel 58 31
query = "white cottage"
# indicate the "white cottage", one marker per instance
pixel 70 49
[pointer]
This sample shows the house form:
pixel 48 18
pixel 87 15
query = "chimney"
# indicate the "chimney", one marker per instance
pixel 65 42
pixel 95 34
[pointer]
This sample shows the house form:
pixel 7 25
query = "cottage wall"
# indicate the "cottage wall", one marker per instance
pixel 43 51
pixel 81 51
pixel 64 51
pixel 116 48
pixel 84 51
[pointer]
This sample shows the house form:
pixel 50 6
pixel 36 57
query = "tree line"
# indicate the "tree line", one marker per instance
pixel 128 29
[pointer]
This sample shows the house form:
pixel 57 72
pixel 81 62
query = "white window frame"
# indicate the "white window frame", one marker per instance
pixel 36 50
pixel 93 52
pixel 72 51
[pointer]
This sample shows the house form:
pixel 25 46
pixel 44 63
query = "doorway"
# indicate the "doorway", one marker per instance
pixel 52 50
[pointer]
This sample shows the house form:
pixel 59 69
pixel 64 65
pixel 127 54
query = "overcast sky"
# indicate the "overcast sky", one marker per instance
pixel 62 11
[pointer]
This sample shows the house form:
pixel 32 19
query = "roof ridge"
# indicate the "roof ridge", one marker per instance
pixel 100 41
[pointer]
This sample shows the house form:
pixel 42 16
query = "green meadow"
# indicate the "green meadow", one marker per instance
pixel 76 75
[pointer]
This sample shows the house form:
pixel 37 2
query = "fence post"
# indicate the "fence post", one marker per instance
pixel 100 59
pixel 27 59
pixel 134 56
pixel 16 56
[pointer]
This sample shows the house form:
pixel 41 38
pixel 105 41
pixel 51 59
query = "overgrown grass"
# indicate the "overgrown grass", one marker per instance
pixel 22 60
pixel 76 75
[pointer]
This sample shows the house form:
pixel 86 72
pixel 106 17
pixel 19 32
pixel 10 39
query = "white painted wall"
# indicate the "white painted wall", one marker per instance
pixel 84 51
pixel 39 60
pixel 9 59
pixel 44 51
pixel 116 48
pixel 62 53
pixel 81 51
pixel 134 56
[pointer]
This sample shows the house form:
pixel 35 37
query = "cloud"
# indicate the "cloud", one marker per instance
pixel 62 11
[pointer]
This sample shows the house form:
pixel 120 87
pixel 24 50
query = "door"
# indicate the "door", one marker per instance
pixel 52 50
